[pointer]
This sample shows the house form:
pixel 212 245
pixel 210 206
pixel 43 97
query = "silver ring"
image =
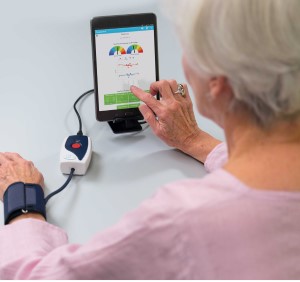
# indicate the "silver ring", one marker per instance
pixel 180 90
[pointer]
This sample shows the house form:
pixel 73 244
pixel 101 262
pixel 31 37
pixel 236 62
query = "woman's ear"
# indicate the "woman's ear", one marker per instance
pixel 219 86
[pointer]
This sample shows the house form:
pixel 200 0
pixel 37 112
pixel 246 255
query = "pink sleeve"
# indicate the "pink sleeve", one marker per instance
pixel 217 158
pixel 24 243
pixel 33 249
pixel 136 248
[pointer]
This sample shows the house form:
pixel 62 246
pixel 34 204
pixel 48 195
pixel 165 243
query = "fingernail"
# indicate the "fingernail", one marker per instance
pixel 133 87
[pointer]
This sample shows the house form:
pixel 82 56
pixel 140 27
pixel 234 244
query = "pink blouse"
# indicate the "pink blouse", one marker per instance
pixel 210 228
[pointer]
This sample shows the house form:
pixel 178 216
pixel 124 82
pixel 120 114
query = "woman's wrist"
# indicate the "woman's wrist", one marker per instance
pixel 199 145
pixel 26 216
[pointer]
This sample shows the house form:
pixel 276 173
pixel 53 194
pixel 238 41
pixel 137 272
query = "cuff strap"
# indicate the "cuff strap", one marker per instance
pixel 21 198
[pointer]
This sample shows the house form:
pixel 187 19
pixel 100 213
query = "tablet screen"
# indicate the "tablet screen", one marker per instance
pixel 124 56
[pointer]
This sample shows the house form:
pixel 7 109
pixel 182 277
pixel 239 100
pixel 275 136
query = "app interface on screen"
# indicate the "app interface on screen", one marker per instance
pixel 125 57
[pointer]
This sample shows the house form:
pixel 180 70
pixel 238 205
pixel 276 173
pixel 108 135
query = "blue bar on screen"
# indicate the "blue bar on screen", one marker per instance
pixel 124 29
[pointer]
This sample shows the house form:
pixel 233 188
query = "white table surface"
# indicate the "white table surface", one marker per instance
pixel 45 64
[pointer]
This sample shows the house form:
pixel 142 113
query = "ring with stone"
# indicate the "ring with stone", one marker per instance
pixel 180 90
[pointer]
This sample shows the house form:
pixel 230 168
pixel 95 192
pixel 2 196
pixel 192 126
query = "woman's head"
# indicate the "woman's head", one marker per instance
pixel 255 44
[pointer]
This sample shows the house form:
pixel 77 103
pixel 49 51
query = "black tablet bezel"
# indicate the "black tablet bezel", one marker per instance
pixel 118 21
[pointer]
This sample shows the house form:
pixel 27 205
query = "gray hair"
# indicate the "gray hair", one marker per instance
pixel 254 43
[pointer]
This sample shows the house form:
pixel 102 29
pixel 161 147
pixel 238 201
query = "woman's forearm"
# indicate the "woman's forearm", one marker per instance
pixel 199 145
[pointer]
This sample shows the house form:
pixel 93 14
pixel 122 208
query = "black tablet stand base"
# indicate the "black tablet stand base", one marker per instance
pixel 124 125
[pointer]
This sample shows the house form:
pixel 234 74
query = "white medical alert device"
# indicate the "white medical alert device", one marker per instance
pixel 76 152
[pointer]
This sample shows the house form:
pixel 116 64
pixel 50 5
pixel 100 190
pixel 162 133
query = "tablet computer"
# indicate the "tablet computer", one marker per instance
pixel 124 53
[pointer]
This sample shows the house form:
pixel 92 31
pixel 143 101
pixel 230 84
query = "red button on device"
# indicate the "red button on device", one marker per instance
pixel 76 145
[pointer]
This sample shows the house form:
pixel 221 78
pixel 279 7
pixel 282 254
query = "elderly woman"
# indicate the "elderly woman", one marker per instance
pixel 240 221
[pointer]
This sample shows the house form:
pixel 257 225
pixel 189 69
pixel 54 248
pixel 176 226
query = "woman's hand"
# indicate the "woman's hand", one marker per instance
pixel 172 119
pixel 175 123
pixel 13 168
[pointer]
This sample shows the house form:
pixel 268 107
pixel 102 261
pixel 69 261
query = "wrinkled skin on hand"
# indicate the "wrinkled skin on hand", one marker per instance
pixel 172 117
pixel 13 168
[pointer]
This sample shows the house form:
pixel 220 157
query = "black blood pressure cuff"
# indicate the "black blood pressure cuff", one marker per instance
pixel 20 198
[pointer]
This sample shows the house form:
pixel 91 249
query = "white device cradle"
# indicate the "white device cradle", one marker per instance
pixel 76 152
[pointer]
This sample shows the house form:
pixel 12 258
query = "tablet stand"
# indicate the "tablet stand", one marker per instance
pixel 124 125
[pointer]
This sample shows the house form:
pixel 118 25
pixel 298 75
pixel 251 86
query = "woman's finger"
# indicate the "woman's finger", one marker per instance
pixel 13 156
pixel 147 98
pixel 149 116
pixel 173 84
pixel 2 158
pixel 162 87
